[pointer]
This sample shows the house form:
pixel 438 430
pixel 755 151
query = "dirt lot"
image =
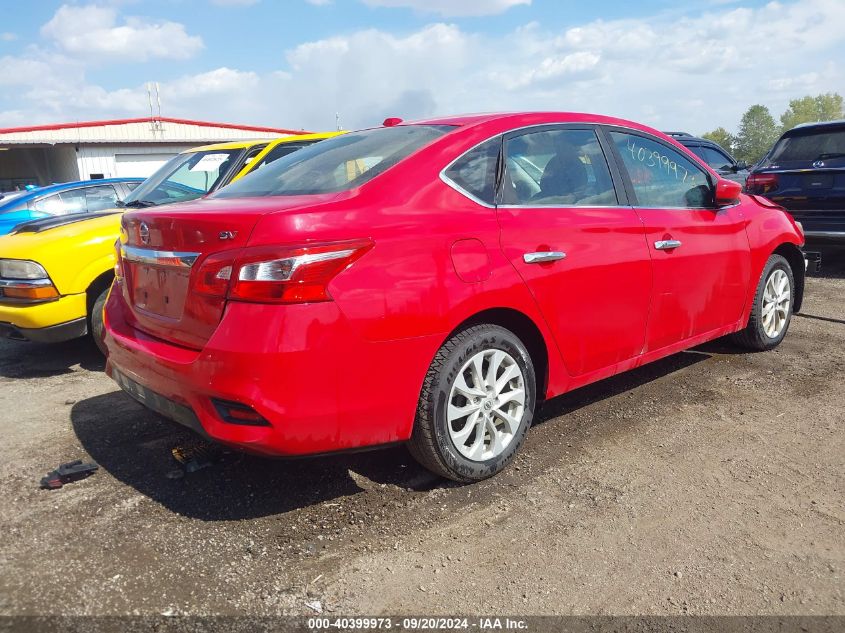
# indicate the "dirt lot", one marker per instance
pixel 709 483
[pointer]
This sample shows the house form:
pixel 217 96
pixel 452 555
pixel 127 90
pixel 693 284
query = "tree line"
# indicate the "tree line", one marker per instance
pixel 758 130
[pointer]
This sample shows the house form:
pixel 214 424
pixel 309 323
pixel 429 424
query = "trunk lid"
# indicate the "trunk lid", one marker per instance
pixel 162 250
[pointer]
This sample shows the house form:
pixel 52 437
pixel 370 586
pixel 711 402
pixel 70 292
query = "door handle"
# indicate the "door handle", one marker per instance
pixel 667 245
pixel 543 256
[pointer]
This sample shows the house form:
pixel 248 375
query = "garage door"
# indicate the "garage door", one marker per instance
pixel 139 165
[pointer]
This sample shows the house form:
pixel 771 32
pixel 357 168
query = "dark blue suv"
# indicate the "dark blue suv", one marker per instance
pixel 805 173
pixel 714 155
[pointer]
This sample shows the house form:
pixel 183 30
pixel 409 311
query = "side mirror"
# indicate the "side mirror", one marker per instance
pixel 740 165
pixel 727 192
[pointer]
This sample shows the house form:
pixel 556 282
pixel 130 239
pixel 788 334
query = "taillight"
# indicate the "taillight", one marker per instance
pixel 761 183
pixel 292 275
pixel 118 262
pixel 277 274
pixel 212 278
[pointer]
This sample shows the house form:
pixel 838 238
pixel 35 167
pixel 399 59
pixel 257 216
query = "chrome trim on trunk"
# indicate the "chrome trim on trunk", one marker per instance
pixel 137 255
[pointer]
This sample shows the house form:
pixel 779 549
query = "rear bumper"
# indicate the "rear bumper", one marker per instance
pixel 821 225
pixel 316 381
pixel 812 261
pixel 825 236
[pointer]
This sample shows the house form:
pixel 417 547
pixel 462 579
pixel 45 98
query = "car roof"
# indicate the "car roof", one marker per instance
pixel 64 186
pixel 819 124
pixel 316 136
pixel 534 118
pixel 230 145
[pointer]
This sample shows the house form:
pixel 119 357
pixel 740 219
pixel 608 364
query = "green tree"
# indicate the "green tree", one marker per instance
pixel 757 133
pixel 722 137
pixel 809 109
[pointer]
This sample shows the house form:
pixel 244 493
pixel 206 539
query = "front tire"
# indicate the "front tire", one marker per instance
pixel 771 311
pixel 476 405
pixel 95 321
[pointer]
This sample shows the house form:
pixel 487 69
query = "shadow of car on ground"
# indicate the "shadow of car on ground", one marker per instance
pixel 22 359
pixel 134 445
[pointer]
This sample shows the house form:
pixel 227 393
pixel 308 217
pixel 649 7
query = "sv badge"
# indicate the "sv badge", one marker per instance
pixel 227 235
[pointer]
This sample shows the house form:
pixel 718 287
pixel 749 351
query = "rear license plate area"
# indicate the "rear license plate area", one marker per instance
pixel 818 181
pixel 159 290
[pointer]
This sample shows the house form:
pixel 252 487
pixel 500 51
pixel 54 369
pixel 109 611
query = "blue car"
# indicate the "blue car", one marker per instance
pixel 88 196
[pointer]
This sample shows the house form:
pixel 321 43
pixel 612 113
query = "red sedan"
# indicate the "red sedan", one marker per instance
pixel 431 282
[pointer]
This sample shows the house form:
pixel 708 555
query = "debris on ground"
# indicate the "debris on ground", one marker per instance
pixel 197 455
pixel 66 473
pixel 315 605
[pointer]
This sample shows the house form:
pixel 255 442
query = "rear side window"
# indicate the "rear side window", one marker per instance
pixel 51 205
pixel 557 168
pixel 809 145
pixel 661 176
pixel 475 171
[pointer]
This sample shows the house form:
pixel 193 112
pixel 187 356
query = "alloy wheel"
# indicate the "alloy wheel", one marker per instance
pixel 486 405
pixel 777 298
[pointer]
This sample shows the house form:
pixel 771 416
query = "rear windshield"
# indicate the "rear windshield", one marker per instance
pixel 336 164
pixel 809 146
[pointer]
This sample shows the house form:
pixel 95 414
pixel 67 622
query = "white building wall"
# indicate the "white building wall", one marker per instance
pixel 133 160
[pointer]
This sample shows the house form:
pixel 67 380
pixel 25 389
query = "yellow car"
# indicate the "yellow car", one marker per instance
pixel 55 272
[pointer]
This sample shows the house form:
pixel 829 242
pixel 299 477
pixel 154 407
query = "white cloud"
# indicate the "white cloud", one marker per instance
pixel 320 3
pixel 451 8
pixel 7 36
pixel 694 73
pixel 92 32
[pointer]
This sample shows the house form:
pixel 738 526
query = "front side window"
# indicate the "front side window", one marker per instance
pixel 661 176
pixel 557 168
pixel 185 177
pixel 475 171
pixel 100 198
pixel 716 159
pixel 336 164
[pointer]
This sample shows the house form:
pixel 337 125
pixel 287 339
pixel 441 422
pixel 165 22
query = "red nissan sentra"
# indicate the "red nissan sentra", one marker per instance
pixel 431 282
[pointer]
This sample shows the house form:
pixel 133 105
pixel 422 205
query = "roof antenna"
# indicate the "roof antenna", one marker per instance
pixel 155 122
pixel 150 100
pixel 159 125
pixel 337 121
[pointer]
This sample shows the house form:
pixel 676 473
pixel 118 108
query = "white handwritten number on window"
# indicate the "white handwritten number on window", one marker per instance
pixel 656 160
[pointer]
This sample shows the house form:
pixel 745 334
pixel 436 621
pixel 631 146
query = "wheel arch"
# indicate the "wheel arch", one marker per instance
pixel 96 287
pixel 524 328
pixel 795 258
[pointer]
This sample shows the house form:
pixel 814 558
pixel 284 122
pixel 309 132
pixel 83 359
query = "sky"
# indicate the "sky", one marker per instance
pixel 673 64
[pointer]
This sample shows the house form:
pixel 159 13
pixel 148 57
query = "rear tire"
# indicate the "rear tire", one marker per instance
pixel 476 404
pixel 771 311
pixel 96 326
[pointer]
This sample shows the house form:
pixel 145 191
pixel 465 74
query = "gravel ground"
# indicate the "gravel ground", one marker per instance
pixel 708 483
